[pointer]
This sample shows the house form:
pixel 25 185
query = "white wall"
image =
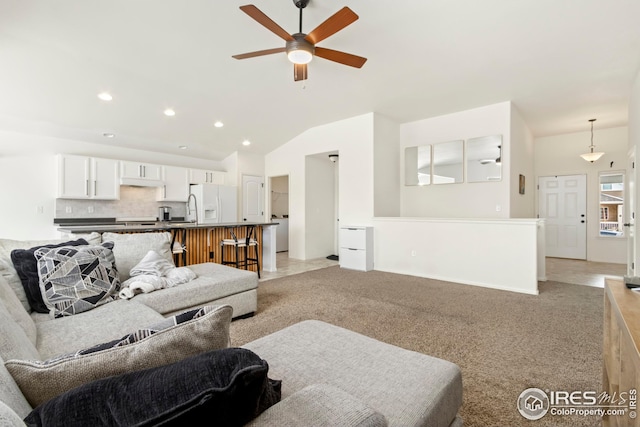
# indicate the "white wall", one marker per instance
pixel 28 178
pixel 521 163
pixel 353 139
pixel 469 251
pixel 463 200
pixel 560 155
pixel 386 157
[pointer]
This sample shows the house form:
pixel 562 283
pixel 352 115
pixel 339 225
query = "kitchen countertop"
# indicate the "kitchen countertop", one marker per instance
pixel 160 225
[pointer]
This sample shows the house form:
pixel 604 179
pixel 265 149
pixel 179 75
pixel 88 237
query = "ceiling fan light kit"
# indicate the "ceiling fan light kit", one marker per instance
pixel 300 47
pixel 300 51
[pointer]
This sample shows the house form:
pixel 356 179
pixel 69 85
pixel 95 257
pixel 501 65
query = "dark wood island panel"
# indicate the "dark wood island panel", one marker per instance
pixel 203 244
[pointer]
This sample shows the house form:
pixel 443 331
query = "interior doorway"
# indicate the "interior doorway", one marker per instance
pixel 563 205
pixel 320 205
pixel 279 206
pixel 334 158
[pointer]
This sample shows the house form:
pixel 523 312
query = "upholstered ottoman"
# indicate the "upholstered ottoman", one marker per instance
pixel 407 388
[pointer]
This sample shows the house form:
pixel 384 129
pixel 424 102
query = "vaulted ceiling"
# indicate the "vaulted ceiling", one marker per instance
pixel 561 62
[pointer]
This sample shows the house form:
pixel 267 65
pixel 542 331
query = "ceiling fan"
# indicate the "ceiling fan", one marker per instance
pixel 301 47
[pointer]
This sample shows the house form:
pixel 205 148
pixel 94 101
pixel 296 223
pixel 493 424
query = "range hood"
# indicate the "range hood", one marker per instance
pixel 141 182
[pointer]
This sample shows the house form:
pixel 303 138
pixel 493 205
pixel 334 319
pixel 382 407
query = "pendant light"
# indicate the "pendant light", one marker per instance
pixel 591 156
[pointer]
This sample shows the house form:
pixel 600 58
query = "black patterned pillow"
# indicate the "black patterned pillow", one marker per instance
pixel 26 266
pixel 74 279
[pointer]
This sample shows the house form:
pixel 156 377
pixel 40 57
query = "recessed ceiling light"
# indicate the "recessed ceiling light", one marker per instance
pixel 182 147
pixel 218 124
pixel 105 96
pixel 169 112
pixel 109 135
pixel 246 142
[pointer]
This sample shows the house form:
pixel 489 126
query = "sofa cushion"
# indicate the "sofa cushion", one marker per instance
pixel 9 418
pixel 17 311
pixel 71 333
pixel 167 342
pixel 320 405
pixel 14 342
pixel 213 281
pixel 6 266
pixel 226 387
pixel 129 249
pixel 11 395
pixel 74 279
pixel 26 265
pixel 426 390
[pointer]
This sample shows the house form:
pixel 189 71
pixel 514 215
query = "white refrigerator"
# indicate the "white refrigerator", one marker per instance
pixel 213 203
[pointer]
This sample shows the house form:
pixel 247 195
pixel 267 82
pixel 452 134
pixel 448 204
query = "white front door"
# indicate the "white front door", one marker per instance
pixel 252 198
pixel 563 205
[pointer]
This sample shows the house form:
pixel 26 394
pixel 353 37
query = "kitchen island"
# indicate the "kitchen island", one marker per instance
pixel 201 242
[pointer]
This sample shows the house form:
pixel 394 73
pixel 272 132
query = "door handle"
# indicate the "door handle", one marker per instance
pixel 628 224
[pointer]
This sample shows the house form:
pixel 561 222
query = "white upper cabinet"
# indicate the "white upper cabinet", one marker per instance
pixel 201 176
pixel 176 184
pixel 104 175
pixel 138 170
pixel 81 177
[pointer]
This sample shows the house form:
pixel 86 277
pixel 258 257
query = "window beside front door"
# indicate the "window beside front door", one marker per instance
pixel 611 198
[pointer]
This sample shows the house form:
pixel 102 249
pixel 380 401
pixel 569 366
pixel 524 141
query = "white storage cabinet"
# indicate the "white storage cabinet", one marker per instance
pixel 138 170
pixel 356 248
pixel 202 176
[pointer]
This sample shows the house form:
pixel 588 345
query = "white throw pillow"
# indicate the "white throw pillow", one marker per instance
pixel 129 249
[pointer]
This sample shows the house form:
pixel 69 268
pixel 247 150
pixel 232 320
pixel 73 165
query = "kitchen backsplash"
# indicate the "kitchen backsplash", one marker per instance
pixel 134 202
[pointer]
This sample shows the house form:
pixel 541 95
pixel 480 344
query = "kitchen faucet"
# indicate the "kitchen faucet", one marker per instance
pixel 195 204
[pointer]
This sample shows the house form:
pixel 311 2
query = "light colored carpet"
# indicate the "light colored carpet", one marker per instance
pixel 504 342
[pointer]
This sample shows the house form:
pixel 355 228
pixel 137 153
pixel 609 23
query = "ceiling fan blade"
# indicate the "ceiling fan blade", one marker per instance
pixel 332 25
pixel 259 53
pixel 340 57
pixel 300 72
pixel 267 22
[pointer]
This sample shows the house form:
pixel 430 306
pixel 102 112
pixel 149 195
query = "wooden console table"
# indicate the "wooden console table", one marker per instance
pixel 621 359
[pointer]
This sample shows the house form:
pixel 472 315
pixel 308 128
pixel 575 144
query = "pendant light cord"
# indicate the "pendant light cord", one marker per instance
pixel 592 120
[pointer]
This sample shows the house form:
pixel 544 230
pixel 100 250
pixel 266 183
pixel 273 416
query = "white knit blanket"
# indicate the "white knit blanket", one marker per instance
pixel 154 272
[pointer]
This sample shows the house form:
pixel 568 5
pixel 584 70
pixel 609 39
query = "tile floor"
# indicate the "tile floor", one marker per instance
pixel 573 271
pixel 287 266
pixel 581 272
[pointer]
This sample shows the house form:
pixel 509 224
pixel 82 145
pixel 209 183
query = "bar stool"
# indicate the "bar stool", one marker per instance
pixel 245 242
pixel 179 247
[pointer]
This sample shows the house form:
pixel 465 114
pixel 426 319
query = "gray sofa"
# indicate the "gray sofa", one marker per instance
pixel 214 284
pixel 330 376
